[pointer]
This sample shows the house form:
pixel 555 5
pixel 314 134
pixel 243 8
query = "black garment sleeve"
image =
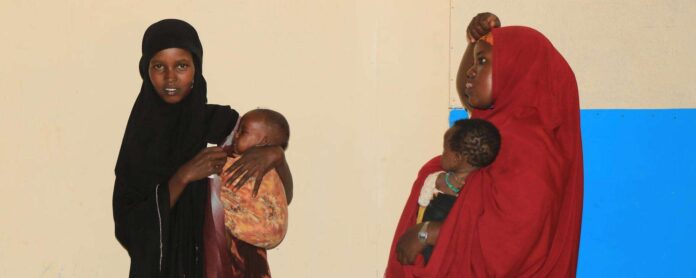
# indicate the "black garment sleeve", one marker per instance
pixel 221 120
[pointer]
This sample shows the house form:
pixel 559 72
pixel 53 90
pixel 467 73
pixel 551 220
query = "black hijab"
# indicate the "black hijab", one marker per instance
pixel 159 138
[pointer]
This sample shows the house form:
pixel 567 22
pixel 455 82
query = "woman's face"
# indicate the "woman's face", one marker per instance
pixel 479 78
pixel 171 73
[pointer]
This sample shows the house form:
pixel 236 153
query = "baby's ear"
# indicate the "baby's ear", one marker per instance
pixel 463 159
pixel 264 141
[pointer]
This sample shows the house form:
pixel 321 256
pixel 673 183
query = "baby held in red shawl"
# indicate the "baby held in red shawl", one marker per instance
pixel 468 146
pixel 519 217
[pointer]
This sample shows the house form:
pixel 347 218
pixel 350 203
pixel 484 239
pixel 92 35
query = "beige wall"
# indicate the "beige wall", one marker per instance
pixel 364 84
pixel 625 54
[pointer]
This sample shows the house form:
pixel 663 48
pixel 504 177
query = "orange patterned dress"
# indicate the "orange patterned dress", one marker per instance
pixel 261 221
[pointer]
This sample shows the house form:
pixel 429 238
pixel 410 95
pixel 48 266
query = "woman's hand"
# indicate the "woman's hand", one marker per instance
pixel 409 246
pixel 207 162
pixel 253 165
pixel 481 25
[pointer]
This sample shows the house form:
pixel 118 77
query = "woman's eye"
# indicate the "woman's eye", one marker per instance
pixel 157 67
pixel 182 66
pixel 482 60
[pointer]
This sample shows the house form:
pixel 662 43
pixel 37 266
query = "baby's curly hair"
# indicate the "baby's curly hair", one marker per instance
pixel 477 139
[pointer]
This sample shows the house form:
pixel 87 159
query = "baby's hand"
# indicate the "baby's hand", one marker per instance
pixel 481 25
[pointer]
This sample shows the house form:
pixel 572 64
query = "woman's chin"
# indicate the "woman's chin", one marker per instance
pixel 171 99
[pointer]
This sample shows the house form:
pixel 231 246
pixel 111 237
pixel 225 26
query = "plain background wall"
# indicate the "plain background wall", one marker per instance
pixel 625 54
pixel 364 85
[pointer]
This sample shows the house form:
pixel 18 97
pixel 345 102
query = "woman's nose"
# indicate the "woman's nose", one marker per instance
pixel 471 73
pixel 170 76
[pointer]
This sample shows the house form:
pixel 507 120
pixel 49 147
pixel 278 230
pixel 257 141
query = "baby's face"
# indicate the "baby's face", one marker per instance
pixel 451 160
pixel 449 157
pixel 251 132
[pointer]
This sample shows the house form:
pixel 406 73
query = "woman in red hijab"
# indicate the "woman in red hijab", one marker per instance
pixel 520 216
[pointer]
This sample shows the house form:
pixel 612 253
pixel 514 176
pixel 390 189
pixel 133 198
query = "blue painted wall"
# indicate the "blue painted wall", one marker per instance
pixel 639 217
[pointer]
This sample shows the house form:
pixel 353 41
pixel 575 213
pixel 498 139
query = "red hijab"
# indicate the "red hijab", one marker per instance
pixel 520 216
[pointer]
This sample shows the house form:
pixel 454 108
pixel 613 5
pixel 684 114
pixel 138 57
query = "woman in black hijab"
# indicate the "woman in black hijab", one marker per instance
pixel 161 184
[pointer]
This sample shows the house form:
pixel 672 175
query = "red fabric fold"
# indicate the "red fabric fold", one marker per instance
pixel 217 258
pixel 520 216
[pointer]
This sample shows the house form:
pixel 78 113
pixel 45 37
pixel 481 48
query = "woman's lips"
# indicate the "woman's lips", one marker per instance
pixel 171 91
pixel 467 89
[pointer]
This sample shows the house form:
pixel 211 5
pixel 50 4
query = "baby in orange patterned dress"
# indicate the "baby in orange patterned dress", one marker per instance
pixel 260 220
